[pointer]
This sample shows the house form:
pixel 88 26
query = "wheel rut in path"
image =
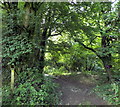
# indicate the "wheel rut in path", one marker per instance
pixel 76 93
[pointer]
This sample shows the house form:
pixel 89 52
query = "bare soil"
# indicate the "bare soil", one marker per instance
pixel 77 90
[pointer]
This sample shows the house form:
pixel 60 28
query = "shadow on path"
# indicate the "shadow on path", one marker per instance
pixel 75 92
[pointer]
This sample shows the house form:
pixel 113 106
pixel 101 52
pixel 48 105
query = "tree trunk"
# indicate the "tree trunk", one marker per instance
pixel 106 55
pixel 41 54
pixel 107 65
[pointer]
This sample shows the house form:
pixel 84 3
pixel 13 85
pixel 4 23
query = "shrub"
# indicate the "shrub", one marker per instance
pixel 31 91
pixel 109 92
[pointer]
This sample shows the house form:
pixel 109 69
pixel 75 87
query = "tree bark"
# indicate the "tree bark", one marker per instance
pixel 41 54
pixel 107 63
pixel 106 58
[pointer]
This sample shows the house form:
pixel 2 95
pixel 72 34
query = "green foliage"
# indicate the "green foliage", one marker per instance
pixel 16 44
pixel 31 91
pixel 56 71
pixel 17 47
pixel 109 92
pixel 68 37
pixel 21 4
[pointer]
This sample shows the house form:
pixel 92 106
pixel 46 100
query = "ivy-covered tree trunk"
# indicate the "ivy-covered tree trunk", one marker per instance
pixel 41 54
pixel 38 34
pixel 13 7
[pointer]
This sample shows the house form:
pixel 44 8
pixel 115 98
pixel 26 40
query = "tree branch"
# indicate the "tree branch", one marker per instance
pixel 76 40
pixel 93 39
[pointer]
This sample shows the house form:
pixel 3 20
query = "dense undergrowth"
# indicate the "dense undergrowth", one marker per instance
pixel 31 90
pixel 109 92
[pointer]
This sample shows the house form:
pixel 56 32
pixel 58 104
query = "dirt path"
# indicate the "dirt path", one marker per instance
pixel 75 92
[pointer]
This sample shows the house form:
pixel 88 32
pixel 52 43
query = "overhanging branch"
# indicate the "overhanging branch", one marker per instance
pixel 76 40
